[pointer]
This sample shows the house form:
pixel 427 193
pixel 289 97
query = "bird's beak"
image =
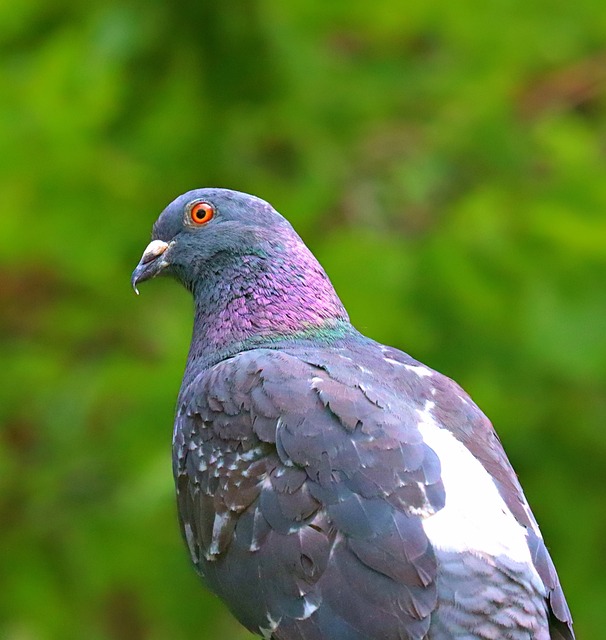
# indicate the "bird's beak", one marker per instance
pixel 151 264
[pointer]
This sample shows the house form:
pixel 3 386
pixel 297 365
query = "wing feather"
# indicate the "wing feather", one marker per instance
pixel 306 490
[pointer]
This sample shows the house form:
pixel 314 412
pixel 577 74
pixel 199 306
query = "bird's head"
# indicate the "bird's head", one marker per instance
pixel 250 273
pixel 204 229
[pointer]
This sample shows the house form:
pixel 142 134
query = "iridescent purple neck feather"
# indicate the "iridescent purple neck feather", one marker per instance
pixel 276 293
pixel 254 281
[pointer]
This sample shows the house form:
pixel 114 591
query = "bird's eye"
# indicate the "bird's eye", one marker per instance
pixel 201 212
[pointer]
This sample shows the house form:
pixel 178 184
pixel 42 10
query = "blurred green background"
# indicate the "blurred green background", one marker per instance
pixel 446 161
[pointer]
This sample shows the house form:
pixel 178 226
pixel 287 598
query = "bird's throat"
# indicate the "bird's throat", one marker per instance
pixel 259 299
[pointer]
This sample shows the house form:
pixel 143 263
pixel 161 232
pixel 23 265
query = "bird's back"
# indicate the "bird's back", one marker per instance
pixel 341 490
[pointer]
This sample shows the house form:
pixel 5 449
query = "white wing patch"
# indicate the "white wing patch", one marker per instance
pixel 420 370
pixel 191 543
pixel 272 625
pixel 309 609
pixel 475 517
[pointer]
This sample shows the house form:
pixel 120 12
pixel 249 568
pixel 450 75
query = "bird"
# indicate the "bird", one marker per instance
pixel 330 487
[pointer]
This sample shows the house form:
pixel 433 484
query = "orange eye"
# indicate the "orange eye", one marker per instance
pixel 202 212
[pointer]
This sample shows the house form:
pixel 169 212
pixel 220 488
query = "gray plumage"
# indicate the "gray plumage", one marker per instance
pixel 310 461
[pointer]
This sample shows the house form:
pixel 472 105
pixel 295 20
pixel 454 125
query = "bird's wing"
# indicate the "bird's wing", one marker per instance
pixel 456 412
pixel 301 497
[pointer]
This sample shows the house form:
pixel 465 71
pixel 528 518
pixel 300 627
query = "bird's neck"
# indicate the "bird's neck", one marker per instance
pixel 261 298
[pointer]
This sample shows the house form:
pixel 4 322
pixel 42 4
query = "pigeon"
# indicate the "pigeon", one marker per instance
pixel 330 487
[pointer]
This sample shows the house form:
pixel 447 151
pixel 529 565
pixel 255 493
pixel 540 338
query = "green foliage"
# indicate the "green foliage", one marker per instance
pixel 445 161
